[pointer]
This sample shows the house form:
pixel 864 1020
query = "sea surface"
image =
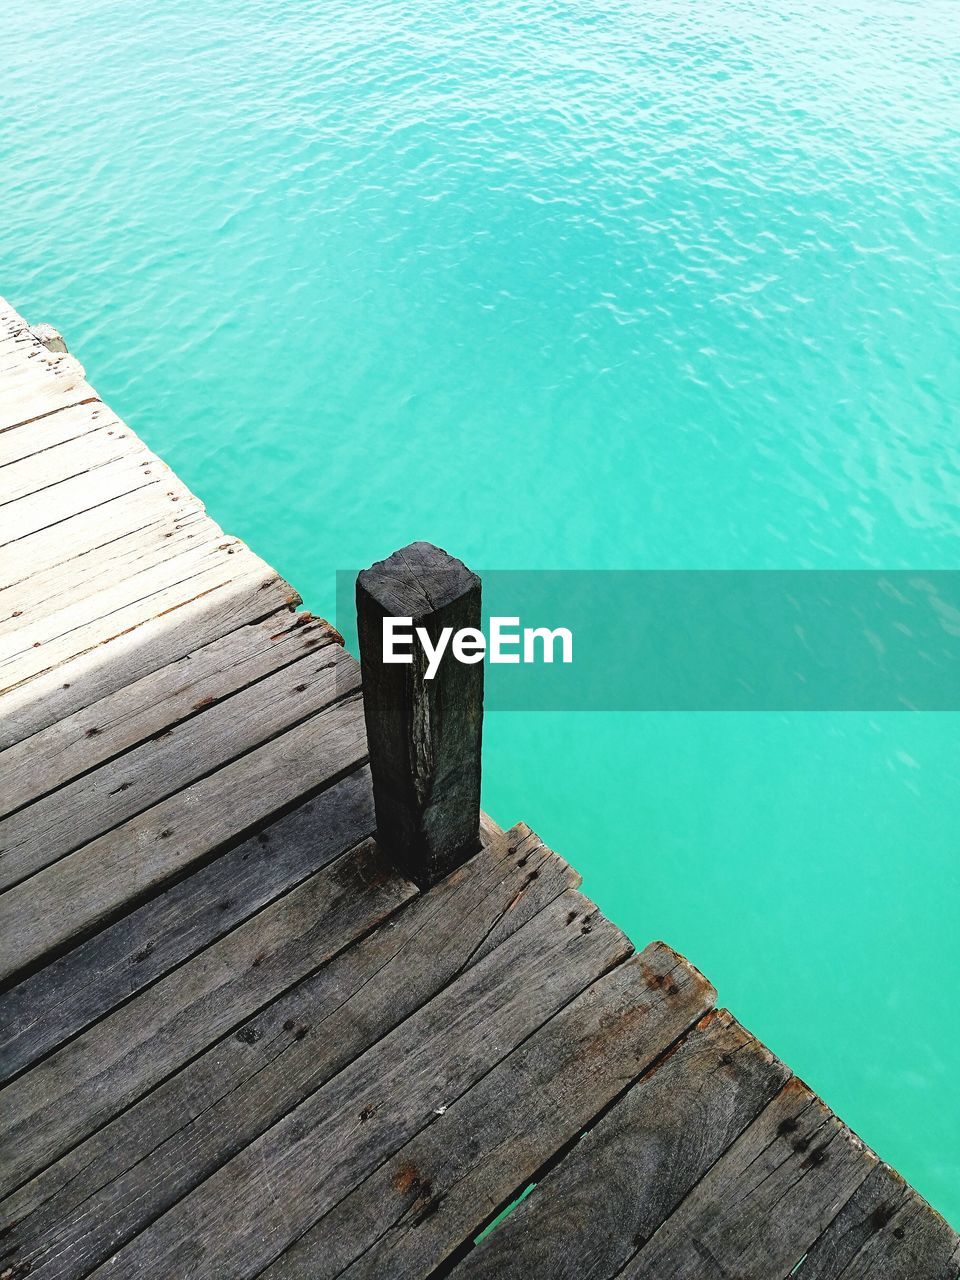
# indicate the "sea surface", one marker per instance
pixel 568 284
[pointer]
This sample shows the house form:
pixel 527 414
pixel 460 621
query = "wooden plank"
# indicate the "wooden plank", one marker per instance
pixel 112 725
pixel 254 1206
pixel 91 620
pixel 41 368
pixel 84 890
pixel 489 830
pixel 24 602
pixel 884 1230
pixel 410 1216
pixel 140 509
pixel 37 836
pixel 611 1192
pixel 26 642
pixel 19 353
pixel 55 429
pixel 42 381
pixel 27 356
pixel 16 342
pixel 112 966
pixel 766 1200
pixel 22 344
pixel 87 453
pixel 101 1193
pixel 24 402
pixel 157 641
pixel 12 337
pixel 63 1099
pixel 168 586
pixel 11 322
pixel 82 493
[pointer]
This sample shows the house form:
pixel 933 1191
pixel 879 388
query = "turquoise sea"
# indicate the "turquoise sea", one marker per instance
pixel 568 284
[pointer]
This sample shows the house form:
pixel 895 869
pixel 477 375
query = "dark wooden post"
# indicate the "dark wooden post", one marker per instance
pixel 423 735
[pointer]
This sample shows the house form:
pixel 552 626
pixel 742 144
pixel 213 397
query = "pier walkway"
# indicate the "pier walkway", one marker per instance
pixel 239 1042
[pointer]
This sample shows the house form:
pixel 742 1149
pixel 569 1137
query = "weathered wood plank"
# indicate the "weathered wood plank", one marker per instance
pixel 27 407
pixel 87 888
pixel 766 1200
pixel 155 642
pixel 139 509
pixel 55 429
pixel 92 620
pixel 26 642
pixel 112 966
pixel 34 394
pixel 587 1217
pixel 12 333
pixel 85 454
pixel 410 1216
pixel 885 1231
pixel 31 355
pixel 16 343
pixel 489 829
pixel 82 741
pixel 253 1207
pixel 31 599
pixel 148 1157
pixel 43 832
pixel 38 365
pixel 41 510
pixel 34 363
pixel 13 328
pixel 63 1099
pixel 424 734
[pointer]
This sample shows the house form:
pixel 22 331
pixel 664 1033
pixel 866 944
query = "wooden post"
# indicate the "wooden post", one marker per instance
pixel 423 735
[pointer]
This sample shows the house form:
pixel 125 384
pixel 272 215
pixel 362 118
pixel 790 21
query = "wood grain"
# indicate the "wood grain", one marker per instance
pixel 127 512
pixel 83 455
pixel 884 1230
pixel 114 724
pixel 67 996
pixel 87 888
pixel 158 639
pixel 82 493
pixel 758 1209
pixel 108 795
pixel 28 600
pixel 239 1041
pixel 646 1154
pixel 147 1158
pixel 438 1190
pixel 55 429
pixel 66 1097
pixel 254 1206
pixel 92 621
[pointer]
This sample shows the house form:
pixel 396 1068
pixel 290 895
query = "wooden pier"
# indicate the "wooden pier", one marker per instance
pixel 243 1037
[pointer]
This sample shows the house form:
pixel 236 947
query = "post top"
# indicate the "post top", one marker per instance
pixel 417 580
